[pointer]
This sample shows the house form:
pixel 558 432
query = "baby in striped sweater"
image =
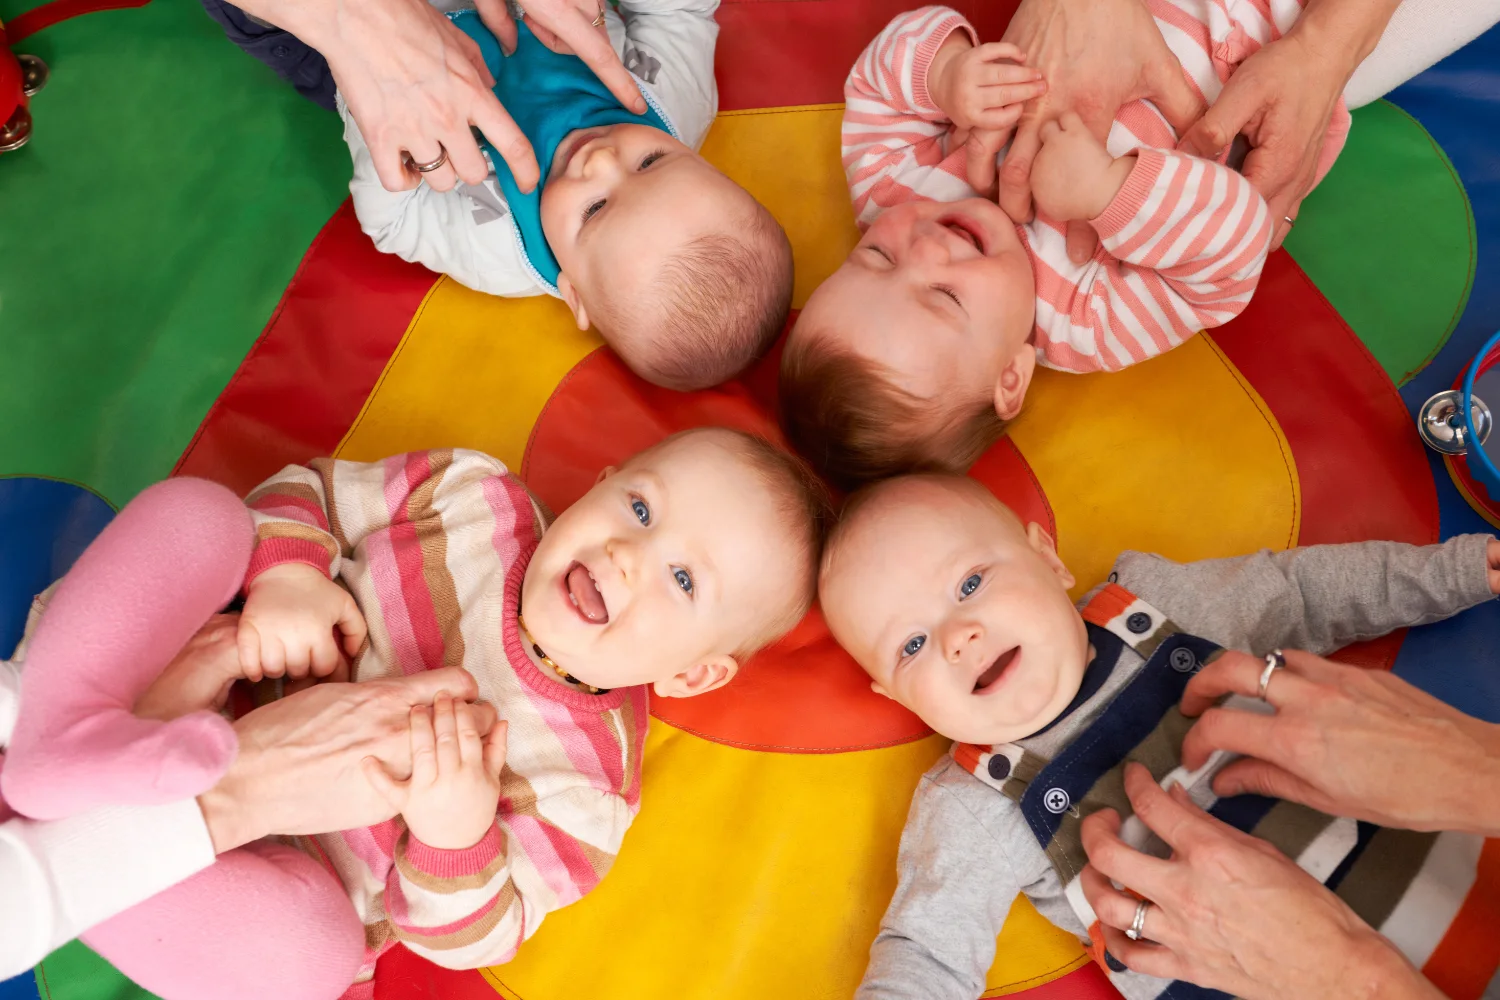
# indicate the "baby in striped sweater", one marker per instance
pixel 666 575
pixel 916 352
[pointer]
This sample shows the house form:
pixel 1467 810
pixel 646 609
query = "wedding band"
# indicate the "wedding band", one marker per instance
pixel 1275 660
pixel 1138 925
pixel 1289 220
pixel 596 22
pixel 430 166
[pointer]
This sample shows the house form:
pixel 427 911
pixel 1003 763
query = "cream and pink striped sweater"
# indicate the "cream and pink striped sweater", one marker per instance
pixel 1181 246
pixel 433 546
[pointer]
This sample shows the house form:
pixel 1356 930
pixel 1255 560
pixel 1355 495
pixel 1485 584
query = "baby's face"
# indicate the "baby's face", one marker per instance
pixel 663 569
pixel 941 294
pixel 956 611
pixel 621 200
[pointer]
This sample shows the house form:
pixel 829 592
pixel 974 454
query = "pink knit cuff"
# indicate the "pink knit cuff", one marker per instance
pixel 276 551
pixel 925 54
pixel 440 863
pixel 1133 195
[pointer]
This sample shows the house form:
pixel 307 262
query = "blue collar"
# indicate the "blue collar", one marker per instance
pixel 549 96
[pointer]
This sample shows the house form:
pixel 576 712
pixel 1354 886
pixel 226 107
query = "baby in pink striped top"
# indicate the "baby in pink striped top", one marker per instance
pixel 916 352
pixel 666 575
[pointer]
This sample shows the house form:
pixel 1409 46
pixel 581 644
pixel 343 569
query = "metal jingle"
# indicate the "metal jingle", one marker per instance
pixel 17 132
pixel 1442 428
pixel 34 74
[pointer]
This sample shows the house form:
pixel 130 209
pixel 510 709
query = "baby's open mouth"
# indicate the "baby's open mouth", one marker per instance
pixel 996 670
pixel 962 227
pixel 583 593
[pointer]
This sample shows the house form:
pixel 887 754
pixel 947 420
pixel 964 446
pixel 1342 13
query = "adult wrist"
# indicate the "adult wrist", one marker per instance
pixel 1484 795
pixel 229 825
pixel 1341 33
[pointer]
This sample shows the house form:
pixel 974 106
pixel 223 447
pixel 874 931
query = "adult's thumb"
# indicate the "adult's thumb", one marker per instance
pixel 421 689
pixel 1176 98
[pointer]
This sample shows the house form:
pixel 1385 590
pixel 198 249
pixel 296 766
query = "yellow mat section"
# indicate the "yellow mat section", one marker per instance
pixel 751 875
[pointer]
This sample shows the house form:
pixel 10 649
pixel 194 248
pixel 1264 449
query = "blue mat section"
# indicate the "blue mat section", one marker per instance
pixel 1458 102
pixel 19 988
pixel 45 524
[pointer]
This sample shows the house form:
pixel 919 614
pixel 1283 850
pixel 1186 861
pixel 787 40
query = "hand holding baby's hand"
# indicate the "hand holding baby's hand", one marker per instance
pixel 1492 556
pixel 982 86
pixel 287 626
pixel 449 802
pixel 1073 176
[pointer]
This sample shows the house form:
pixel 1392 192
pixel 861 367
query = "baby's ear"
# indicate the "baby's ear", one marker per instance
pixel 1014 380
pixel 574 300
pixel 709 675
pixel 1044 546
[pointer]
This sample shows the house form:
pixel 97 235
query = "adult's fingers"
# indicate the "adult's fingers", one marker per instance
pixel 1143 956
pixel 484 715
pixel 465 156
pixel 1248 776
pixel 393 791
pixel 421 689
pixel 472 52
pixel 1113 907
pixel 495 14
pixel 426 151
pixel 1239 673
pixel 1230 730
pixel 594 48
pixel 1112 856
pixel 1082 241
pixel 508 139
pixel 1223 120
pixel 1170 819
pixel 1015 173
pixel 1176 98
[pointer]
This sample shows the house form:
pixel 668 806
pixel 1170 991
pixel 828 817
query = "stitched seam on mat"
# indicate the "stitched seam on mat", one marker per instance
pixel 61 479
pixel 790 109
pixel 1039 979
pixel 1046 502
pixel 1463 302
pixel 255 348
pixel 1282 444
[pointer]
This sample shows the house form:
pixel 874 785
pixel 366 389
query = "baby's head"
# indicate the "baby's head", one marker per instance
pixel 678 565
pixel 917 350
pixel 954 607
pixel 686 275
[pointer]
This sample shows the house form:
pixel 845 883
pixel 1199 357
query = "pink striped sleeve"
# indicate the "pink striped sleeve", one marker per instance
pixel 893 134
pixel 1182 247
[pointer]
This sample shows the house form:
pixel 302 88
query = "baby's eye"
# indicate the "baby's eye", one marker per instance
pixel 914 645
pixel 684 580
pixel 888 259
pixel 593 209
pixel 642 511
pixel 948 292
pixel 970 585
pixel 651 158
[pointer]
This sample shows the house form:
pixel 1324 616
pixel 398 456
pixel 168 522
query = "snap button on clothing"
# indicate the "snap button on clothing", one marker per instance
pixel 1182 660
pixel 1139 623
pixel 999 767
pixel 1057 801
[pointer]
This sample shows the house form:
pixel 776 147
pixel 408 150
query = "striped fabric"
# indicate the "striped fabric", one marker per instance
pixel 1436 896
pixel 1181 247
pixel 434 546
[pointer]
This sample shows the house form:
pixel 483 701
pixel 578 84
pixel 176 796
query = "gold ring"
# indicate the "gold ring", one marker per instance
pixel 430 166
pixel 596 22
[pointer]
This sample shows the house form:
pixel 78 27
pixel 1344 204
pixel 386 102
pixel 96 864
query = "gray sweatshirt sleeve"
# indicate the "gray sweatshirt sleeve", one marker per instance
pixel 670 45
pixel 955 885
pixel 1317 598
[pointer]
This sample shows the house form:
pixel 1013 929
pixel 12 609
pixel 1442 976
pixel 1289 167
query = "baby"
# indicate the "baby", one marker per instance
pixel 916 352
pixel 961 613
pixel 665 576
pixel 682 272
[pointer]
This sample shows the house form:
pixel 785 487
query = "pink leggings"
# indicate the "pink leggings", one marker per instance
pixel 264 920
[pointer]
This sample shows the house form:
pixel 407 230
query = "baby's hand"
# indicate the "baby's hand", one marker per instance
pixel 449 802
pixel 1492 555
pixel 287 626
pixel 982 87
pixel 1073 176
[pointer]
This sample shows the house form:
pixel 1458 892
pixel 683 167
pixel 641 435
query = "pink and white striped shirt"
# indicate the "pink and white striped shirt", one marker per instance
pixel 433 546
pixel 1181 246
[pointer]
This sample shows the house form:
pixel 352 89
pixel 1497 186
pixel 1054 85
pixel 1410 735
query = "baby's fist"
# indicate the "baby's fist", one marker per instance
pixel 286 629
pixel 1073 176
pixel 982 86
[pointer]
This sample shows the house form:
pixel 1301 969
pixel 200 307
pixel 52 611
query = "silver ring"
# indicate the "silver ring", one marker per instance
pixel 1275 660
pixel 1138 925
pixel 1289 220
pixel 430 166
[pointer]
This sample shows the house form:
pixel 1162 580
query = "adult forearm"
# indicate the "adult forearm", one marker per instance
pixel 1483 794
pixel 1344 31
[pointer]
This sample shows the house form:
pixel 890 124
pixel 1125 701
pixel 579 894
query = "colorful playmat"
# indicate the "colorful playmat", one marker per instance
pixel 177 202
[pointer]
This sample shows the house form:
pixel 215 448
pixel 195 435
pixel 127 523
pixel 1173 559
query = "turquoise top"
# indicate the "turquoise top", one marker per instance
pixel 550 96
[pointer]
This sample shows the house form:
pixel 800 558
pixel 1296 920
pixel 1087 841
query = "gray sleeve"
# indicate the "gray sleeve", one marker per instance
pixel 670 45
pixel 1317 598
pixel 955 886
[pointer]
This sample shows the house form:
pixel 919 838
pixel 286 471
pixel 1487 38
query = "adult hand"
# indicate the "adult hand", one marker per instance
pixel 1229 911
pixel 1283 97
pixel 567 26
pixel 1349 742
pixel 1096 56
pixel 300 768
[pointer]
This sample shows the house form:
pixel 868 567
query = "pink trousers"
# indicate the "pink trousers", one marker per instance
pixel 264 920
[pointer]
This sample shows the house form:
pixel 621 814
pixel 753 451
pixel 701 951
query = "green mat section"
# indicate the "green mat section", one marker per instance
pixel 1388 238
pixel 74 972
pixel 171 186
